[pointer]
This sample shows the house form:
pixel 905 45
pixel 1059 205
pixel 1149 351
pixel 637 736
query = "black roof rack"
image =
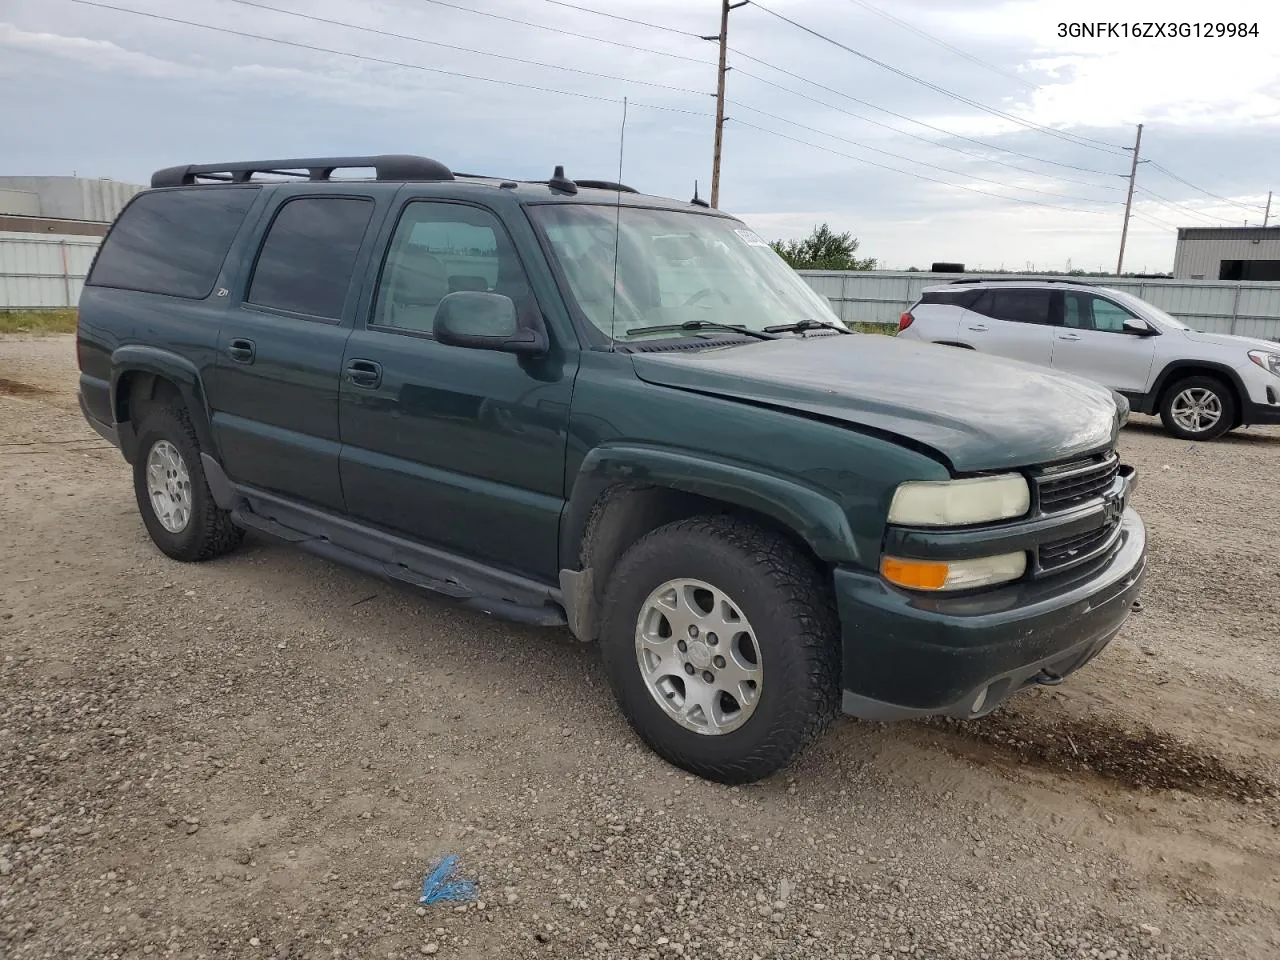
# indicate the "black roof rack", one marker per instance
pixel 606 185
pixel 387 167
pixel 1074 283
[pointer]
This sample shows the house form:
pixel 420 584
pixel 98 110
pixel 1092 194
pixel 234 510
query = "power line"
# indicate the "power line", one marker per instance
pixel 1180 208
pixel 920 123
pixel 570 33
pixel 918 176
pixel 460 49
pixel 898 156
pixel 1169 173
pixel 916 136
pixel 942 43
pixel 381 60
pixel 616 16
pixel 1030 125
pixel 1076 139
pixel 256 4
pixel 708 63
pixel 1153 221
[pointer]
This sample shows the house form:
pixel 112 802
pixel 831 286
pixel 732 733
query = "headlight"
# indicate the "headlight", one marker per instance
pixel 953 503
pixel 1267 361
pixel 953 574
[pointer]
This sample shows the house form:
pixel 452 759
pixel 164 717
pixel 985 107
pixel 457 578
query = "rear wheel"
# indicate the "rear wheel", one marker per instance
pixel 173 496
pixel 720 641
pixel 1198 408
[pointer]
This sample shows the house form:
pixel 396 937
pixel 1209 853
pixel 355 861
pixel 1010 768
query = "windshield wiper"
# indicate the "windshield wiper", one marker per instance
pixel 808 323
pixel 766 334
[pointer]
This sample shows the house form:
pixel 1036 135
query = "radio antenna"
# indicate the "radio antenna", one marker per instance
pixel 617 228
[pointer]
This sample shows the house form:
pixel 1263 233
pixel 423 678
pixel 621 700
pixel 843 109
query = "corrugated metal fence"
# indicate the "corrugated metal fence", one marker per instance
pixel 1246 309
pixel 46 271
pixel 39 271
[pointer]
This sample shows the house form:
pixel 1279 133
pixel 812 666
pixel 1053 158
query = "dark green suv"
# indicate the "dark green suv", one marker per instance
pixel 569 404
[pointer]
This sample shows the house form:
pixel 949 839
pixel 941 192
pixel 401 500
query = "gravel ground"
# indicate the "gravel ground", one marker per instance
pixel 258 757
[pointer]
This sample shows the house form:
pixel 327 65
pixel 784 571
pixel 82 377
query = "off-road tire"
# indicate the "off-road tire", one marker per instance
pixel 1226 397
pixel 790 606
pixel 209 532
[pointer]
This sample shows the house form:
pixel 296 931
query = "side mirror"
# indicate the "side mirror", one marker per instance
pixel 1139 328
pixel 485 321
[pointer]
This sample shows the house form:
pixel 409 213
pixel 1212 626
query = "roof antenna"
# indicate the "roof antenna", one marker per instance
pixel 697 201
pixel 560 182
pixel 617 228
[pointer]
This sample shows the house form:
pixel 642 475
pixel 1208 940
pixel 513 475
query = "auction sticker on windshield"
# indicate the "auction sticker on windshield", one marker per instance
pixel 750 238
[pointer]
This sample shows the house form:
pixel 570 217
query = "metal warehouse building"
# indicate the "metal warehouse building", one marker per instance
pixel 50 228
pixel 75 206
pixel 1227 253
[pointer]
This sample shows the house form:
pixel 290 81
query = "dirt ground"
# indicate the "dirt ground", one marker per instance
pixel 259 757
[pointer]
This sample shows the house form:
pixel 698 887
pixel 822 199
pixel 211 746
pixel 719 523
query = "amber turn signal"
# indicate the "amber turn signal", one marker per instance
pixel 915 574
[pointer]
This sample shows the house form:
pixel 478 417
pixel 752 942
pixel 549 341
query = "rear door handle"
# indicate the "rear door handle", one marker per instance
pixel 241 350
pixel 1068 336
pixel 364 373
pixel 980 327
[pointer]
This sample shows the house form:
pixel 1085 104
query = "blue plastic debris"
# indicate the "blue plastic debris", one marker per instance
pixel 437 885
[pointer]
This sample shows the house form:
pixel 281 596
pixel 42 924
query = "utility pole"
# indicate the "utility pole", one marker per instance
pixel 723 38
pixel 1128 201
pixel 1266 217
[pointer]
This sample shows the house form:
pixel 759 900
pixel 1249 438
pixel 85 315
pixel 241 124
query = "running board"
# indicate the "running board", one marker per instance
pixel 344 541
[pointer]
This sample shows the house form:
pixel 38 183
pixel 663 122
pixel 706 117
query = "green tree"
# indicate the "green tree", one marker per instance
pixel 823 249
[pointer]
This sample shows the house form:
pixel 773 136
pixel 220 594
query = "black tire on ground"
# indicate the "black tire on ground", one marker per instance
pixel 1225 398
pixel 789 605
pixel 209 531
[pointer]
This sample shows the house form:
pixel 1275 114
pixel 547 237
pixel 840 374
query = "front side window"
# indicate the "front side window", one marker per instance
pixel 1085 311
pixel 441 248
pixel 630 267
pixel 309 256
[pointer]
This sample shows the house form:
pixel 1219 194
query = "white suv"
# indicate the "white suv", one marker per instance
pixel 1201 384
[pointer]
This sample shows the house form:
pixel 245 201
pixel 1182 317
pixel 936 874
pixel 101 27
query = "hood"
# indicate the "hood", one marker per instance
pixel 1244 344
pixel 976 411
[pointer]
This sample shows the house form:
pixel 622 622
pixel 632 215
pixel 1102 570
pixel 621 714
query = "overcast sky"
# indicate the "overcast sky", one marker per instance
pixel 106 93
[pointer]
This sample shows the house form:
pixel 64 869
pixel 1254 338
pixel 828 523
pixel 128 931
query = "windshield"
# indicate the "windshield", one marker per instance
pixel 1137 303
pixel 673 268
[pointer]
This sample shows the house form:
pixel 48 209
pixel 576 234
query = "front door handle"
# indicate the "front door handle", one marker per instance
pixel 241 350
pixel 364 373
pixel 1068 336
pixel 980 327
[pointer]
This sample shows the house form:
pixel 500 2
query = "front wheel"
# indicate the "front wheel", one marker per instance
pixel 1198 408
pixel 720 641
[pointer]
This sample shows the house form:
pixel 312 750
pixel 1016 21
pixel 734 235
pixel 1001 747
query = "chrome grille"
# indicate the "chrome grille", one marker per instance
pixel 1074 483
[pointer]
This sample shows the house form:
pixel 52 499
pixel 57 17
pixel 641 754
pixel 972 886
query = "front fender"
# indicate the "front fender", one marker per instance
pixel 178 370
pixel 810 513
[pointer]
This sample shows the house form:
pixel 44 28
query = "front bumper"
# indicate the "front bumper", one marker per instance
pixel 1261 414
pixel 912 655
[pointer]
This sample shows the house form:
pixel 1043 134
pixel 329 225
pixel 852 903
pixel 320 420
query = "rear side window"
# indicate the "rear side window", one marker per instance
pixel 173 242
pixel 1018 306
pixel 951 298
pixel 309 255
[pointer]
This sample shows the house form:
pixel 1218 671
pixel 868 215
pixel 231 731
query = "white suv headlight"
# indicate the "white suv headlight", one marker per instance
pixel 954 503
pixel 1267 361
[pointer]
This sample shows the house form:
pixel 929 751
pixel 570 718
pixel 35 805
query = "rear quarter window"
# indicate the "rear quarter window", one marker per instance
pixel 173 242
pixel 951 298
